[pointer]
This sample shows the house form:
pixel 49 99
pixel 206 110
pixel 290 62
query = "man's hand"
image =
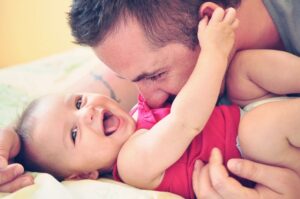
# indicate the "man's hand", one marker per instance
pixel 12 176
pixel 213 181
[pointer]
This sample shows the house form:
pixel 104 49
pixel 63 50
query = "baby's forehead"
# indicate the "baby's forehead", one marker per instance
pixel 51 100
pixel 49 113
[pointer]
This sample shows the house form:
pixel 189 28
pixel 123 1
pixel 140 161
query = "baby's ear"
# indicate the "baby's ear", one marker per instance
pixel 93 175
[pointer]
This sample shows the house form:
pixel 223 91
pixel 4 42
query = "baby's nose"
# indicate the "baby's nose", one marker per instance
pixel 87 115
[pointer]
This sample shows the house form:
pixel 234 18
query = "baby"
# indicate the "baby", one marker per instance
pixel 80 136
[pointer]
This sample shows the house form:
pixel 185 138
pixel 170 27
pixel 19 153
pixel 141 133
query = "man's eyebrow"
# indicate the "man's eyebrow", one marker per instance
pixel 146 74
pixel 119 76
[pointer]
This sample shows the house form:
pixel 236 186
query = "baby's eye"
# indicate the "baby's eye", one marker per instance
pixel 78 102
pixel 74 134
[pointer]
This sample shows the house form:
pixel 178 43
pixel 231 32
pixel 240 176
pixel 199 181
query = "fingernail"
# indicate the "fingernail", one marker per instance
pixel 234 165
pixel 214 150
pixel 19 170
pixel 27 182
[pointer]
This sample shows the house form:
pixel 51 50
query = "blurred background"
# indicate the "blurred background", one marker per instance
pixel 32 29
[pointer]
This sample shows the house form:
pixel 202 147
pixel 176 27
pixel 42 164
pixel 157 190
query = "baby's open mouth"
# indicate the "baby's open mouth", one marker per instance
pixel 110 123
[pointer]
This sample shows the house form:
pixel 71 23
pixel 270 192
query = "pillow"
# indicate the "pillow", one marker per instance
pixel 21 83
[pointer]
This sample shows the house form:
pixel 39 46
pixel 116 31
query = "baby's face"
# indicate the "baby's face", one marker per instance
pixel 81 132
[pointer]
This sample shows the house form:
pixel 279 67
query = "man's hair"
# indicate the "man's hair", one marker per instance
pixel 27 156
pixel 163 21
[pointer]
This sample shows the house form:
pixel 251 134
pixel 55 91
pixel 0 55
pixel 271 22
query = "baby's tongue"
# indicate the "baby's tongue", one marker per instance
pixel 111 124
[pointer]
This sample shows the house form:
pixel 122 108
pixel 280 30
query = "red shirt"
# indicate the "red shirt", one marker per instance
pixel 220 131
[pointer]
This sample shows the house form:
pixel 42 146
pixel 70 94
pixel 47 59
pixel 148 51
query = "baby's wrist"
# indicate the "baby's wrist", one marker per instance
pixel 216 51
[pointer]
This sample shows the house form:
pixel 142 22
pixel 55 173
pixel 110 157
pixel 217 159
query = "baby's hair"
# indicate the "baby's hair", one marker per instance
pixel 24 127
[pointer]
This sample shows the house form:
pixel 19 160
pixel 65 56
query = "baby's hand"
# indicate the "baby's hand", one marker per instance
pixel 217 34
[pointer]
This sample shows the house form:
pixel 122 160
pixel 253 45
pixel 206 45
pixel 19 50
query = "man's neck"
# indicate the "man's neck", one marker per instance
pixel 256 29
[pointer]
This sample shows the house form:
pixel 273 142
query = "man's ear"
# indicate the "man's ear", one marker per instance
pixel 93 175
pixel 207 8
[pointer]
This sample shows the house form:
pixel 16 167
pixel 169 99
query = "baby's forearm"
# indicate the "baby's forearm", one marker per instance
pixel 201 91
pixel 198 97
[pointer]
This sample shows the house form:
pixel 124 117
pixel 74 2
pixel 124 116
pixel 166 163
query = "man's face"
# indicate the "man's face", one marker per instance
pixel 159 73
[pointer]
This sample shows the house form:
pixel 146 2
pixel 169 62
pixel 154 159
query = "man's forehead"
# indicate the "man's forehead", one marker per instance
pixel 127 51
pixel 133 68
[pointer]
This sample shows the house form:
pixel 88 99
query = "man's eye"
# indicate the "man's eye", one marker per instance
pixel 74 134
pixel 78 102
pixel 155 77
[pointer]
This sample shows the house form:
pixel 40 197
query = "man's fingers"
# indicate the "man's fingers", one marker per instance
pixel 3 162
pixel 206 188
pixel 225 185
pixel 201 182
pixel 260 173
pixel 4 147
pixel 7 137
pixel 18 183
pixel 10 173
pixel 217 171
pixel 195 177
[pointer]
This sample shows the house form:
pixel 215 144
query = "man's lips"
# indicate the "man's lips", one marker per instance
pixel 110 123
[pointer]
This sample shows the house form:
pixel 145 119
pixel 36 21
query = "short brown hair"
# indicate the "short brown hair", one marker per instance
pixel 163 21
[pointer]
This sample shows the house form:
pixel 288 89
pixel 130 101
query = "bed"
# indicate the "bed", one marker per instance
pixel 19 85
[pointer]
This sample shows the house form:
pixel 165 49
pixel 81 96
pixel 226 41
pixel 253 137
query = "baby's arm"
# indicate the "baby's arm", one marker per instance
pixel 259 74
pixel 168 139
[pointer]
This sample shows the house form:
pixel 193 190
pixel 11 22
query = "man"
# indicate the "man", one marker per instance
pixel 154 44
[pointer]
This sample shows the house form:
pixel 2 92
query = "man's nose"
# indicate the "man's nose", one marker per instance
pixel 154 97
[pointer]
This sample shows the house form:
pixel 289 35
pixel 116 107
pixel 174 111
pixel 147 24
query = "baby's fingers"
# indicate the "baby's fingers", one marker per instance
pixel 230 16
pixel 235 24
pixel 217 16
pixel 203 23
